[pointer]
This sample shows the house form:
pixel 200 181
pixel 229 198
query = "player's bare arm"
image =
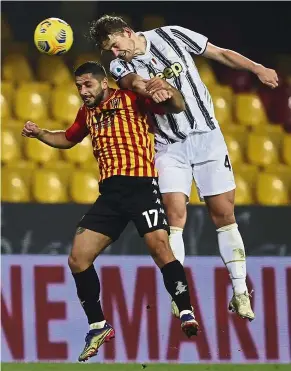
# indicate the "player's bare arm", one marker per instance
pixel 136 83
pixel 235 60
pixel 55 139
pixel 163 92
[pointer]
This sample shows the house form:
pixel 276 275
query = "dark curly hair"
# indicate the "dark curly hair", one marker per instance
pixel 100 29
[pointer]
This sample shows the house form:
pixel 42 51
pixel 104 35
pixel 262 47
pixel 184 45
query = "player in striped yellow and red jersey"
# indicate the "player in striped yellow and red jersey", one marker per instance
pixel 118 124
pixel 119 128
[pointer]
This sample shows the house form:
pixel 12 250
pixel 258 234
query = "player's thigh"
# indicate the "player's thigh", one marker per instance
pixel 159 247
pixel 87 246
pixel 213 174
pixel 175 173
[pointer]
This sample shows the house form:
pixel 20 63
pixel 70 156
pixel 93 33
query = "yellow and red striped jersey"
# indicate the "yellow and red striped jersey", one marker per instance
pixel 119 128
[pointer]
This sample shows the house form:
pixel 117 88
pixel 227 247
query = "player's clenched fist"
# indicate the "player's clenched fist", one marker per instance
pixel 161 95
pixel 30 130
pixel 156 83
pixel 267 76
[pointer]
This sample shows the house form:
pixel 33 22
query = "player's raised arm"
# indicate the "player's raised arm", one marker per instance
pixel 55 139
pixel 235 60
pixel 161 92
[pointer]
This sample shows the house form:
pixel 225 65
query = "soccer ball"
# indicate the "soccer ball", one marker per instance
pixel 53 36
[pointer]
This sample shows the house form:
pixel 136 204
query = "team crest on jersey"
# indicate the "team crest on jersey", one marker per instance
pixel 115 103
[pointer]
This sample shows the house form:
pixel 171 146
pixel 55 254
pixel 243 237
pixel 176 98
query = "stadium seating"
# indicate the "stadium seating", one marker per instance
pixel 249 110
pixel 194 197
pixel 80 153
pixel 222 109
pixel 30 104
pixel 207 75
pixel 261 150
pixel 47 187
pixel 234 149
pixel 271 190
pixel 286 151
pixel 16 69
pixel 243 191
pixel 63 169
pixel 14 188
pixel 53 70
pixel 65 104
pixel 82 58
pixel 84 188
pixel 24 168
pixel 9 146
pixel 5 107
pixel 248 172
pixel 39 152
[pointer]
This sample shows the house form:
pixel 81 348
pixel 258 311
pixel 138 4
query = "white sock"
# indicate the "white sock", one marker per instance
pixel 232 252
pixel 97 325
pixel 177 243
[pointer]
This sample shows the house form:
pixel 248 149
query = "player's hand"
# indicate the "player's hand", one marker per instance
pixel 156 83
pixel 268 77
pixel 30 130
pixel 162 95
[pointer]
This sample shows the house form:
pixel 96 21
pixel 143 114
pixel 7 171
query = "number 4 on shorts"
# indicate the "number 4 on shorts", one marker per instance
pixel 147 214
pixel 227 163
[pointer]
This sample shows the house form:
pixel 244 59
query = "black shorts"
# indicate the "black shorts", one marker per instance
pixel 124 199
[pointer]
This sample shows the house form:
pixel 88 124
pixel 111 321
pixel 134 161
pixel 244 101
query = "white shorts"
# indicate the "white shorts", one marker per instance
pixel 202 157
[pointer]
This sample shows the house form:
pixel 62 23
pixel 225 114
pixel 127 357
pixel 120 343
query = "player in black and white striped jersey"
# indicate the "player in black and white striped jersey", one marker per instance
pixel 189 145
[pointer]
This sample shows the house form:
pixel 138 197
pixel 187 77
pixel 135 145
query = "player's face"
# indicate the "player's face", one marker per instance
pixel 121 45
pixel 90 89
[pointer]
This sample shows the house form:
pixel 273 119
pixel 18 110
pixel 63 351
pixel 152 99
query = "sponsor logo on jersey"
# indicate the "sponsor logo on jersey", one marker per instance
pixel 174 70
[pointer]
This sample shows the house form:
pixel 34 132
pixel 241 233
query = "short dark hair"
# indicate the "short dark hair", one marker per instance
pixel 93 67
pixel 101 28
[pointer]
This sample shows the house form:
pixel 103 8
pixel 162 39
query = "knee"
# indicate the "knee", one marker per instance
pixel 223 216
pixel 176 213
pixel 77 263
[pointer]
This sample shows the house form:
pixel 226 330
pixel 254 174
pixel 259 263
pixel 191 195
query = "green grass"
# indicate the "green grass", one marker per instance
pixel 138 367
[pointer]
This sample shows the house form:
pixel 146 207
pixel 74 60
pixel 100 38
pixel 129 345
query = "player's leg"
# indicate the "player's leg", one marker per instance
pixel 175 178
pixel 215 181
pixel 97 229
pixel 147 211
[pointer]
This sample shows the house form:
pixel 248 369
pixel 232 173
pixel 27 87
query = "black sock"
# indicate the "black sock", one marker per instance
pixel 88 290
pixel 176 284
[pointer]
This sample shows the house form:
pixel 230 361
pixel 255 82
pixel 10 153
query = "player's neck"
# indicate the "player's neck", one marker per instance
pixel 107 94
pixel 140 45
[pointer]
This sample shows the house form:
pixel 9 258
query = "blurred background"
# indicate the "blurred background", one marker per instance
pixel 46 191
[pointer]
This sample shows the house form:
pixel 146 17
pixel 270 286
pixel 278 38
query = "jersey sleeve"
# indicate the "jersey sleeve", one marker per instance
pixel 193 42
pixel 119 69
pixel 78 130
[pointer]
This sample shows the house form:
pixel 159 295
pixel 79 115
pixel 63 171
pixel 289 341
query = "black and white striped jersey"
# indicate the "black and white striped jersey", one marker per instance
pixel 168 56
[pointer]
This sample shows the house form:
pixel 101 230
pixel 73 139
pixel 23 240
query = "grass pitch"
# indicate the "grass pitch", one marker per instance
pixel 138 367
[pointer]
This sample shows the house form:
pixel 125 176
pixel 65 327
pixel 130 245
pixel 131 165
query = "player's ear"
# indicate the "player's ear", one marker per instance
pixel 128 32
pixel 104 83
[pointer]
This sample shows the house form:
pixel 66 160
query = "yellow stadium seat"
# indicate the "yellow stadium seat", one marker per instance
pixel 222 110
pixel 39 152
pixel 271 190
pixel 7 89
pixel 65 104
pixel 53 125
pixel 16 69
pixel 282 171
pixel 286 149
pixel 84 188
pixel 238 132
pixel 47 187
pixel 248 172
pixel 62 168
pixel 249 110
pixel 12 124
pixel 53 70
pixel 150 22
pixel 30 104
pixel 223 91
pixel 234 149
pixel 91 167
pixel 207 75
pixel 6 32
pixel 81 152
pixel 42 88
pixel 24 168
pixel 194 197
pixel 14 188
pixel 5 107
pixel 9 146
pixel 243 191
pixel 261 150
